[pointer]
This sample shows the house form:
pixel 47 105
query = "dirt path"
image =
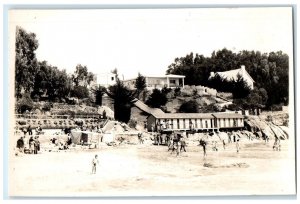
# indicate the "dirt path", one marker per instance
pixel 150 170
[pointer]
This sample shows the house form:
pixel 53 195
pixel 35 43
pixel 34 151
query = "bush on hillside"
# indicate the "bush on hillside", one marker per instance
pixel 189 107
pixel 157 99
pixel 25 103
pixel 80 92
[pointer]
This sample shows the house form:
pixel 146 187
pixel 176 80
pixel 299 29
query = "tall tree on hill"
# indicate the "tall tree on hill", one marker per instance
pixel 81 76
pixel 122 97
pixel 52 82
pixel 99 91
pixel 140 84
pixel 26 62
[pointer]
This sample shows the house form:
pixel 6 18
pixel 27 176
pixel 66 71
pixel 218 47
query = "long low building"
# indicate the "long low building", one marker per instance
pixel 194 121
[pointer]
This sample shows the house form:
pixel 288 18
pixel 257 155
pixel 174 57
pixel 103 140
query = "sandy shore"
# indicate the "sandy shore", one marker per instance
pixel 146 170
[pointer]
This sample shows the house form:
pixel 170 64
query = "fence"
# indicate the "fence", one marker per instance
pixel 36 116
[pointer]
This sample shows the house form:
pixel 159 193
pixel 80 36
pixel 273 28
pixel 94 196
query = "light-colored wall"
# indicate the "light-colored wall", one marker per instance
pixel 106 79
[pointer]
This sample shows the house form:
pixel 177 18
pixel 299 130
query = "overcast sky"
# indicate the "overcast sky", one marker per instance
pixel 148 40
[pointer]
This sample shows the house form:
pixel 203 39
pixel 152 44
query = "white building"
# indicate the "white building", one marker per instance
pixel 233 74
pixel 106 79
pixel 159 82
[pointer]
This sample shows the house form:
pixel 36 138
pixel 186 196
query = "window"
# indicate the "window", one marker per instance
pixel 172 81
pixel 178 125
pixel 112 78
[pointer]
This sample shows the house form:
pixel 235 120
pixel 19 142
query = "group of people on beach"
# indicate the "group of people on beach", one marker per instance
pixel 177 141
pixel 29 145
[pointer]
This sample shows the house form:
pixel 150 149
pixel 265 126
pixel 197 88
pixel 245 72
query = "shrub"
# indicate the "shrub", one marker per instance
pixel 47 106
pixel 157 99
pixel 177 91
pixel 132 123
pixel 80 92
pixel 25 103
pixel 189 107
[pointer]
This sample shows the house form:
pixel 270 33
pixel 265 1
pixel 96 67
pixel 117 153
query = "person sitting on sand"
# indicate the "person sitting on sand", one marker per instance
pixel 95 161
pixel 20 144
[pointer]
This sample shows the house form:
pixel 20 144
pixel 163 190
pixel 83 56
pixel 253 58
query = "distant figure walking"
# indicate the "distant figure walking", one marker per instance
pixel 277 145
pixel 203 143
pixel 94 164
pixel 224 144
pixel 182 144
pixel 141 141
pixel 237 145
pixel 215 147
pixel 229 137
pixel 29 130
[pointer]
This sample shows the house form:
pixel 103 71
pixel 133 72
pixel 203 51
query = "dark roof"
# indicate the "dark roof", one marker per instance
pixel 227 115
pixel 183 115
pixel 142 106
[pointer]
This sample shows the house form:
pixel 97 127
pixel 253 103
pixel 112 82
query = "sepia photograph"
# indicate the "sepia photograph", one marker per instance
pixel 151 102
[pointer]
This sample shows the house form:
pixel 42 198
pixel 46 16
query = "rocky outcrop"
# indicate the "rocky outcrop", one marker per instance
pixel 266 129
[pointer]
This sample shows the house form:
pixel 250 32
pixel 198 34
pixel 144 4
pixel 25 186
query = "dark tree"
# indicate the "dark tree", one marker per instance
pixel 122 97
pixel 51 82
pixel 81 76
pixel 99 91
pixel 240 88
pixel 270 71
pixel 189 107
pixel 26 62
pixel 140 84
pixel 157 99
pixel 80 92
pixel 25 103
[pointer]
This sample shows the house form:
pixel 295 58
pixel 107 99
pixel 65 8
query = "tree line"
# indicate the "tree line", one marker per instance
pixel 270 72
pixel 38 80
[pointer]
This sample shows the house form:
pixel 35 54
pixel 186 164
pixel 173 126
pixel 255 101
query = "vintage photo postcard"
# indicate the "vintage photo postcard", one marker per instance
pixel 151 102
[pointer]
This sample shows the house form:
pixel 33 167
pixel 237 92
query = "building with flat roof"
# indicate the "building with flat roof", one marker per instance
pixel 159 82
pixel 106 79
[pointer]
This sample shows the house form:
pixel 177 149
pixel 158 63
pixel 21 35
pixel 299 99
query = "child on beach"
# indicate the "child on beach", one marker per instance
pixel 94 164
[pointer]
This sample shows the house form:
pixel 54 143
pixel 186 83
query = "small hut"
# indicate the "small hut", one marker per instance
pixel 86 137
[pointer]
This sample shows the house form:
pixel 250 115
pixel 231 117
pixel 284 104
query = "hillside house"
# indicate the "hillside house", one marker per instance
pixel 159 82
pixel 233 74
pixel 106 79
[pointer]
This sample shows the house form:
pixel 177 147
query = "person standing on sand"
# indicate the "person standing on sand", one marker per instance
pixel 94 164
pixel 203 143
pixel 237 145
pixel 140 138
